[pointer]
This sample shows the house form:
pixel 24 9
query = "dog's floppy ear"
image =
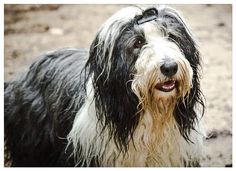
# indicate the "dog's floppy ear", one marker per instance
pixel 186 109
pixel 115 103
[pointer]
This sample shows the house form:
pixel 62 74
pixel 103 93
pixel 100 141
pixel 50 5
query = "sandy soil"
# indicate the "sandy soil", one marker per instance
pixel 32 30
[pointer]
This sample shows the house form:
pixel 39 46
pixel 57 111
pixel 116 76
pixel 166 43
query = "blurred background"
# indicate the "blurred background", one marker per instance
pixel 30 30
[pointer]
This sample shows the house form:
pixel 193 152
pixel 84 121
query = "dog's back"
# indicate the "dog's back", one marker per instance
pixel 40 107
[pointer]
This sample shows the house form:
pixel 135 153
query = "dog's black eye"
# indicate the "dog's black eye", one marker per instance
pixel 139 42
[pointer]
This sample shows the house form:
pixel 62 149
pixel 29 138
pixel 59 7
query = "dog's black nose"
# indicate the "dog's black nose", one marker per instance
pixel 169 68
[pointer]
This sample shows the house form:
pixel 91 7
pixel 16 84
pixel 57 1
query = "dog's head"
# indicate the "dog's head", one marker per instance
pixel 145 60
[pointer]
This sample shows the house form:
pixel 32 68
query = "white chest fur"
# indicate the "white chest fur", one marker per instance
pixel 156 142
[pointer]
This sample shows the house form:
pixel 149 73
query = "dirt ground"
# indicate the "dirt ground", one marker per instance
pixel 31 30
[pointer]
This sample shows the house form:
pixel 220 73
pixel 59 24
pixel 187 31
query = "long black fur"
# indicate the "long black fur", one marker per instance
pixel 40 108
pixel 116 104
pixel 185 115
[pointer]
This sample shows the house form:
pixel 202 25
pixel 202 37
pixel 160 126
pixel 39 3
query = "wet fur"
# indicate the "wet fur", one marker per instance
pixel 79 108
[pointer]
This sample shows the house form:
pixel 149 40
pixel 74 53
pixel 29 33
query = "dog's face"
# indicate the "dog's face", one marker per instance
pixel 162 72
pixel 150 65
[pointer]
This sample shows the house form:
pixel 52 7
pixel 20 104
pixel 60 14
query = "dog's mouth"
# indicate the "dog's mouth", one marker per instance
pixel 166 86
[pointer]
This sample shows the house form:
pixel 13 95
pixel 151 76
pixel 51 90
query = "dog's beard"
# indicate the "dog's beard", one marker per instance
pixel 148 86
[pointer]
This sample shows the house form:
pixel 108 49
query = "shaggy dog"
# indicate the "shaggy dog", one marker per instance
pixel 133 100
